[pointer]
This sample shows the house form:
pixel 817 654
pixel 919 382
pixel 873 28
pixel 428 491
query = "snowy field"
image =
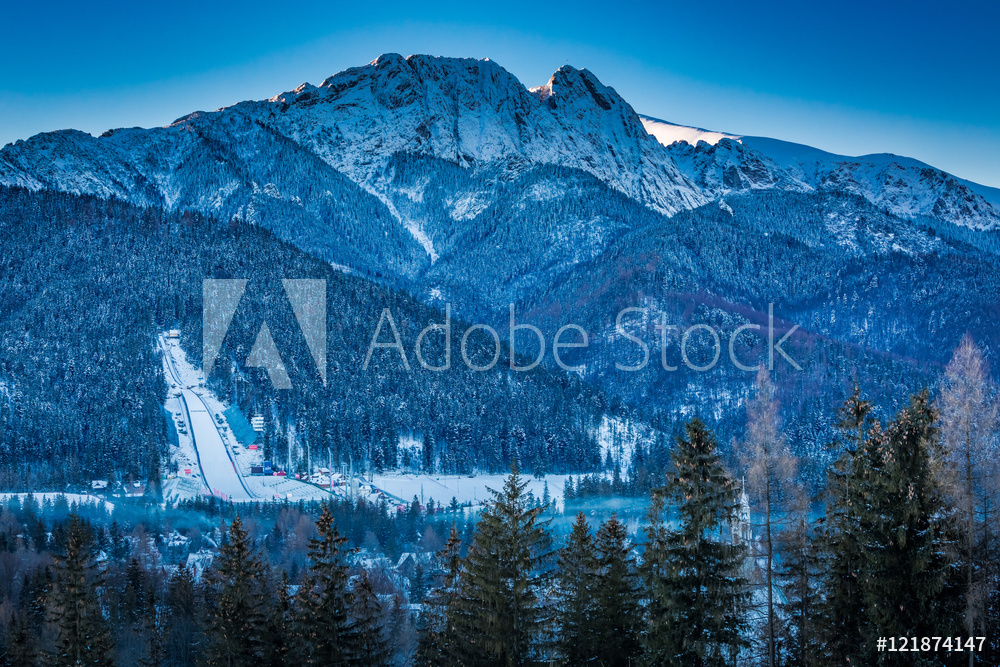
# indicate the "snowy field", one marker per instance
pixel 282 488
pixel 466 489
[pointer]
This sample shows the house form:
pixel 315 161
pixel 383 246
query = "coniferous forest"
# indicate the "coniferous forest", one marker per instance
pixel 724 569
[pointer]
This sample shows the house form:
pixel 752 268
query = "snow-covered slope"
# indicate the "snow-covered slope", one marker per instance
pixel 667 133
pixel 900 185
pixel 467 111
pixel 314 163
pixel 473 112
pixel 722 163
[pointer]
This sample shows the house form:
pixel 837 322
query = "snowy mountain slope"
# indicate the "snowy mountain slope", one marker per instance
pixel 900 185
pixel 75 162
pixel 722 163
pixel 473 112
pixel 227 166
pixel 730 166
pixel 316 164
pixel 992 195
pixel 467 111
pixel 667 133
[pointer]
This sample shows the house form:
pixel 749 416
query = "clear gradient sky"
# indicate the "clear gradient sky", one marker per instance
pixel 847 76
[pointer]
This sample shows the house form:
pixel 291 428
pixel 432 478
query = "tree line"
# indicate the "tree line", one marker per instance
pixel 736 565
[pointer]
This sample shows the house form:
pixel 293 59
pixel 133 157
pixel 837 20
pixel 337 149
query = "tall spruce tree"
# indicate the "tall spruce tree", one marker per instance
pixel 576 614
pixel 617 622
pixel 237 603
pixel 83 635
pixel 320 620
pixel 693 574
pixel 906 578
pixel 842 609
pixel 501 616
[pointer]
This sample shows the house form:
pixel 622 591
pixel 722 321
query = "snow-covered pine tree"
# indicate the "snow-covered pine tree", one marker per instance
pixel 569 491
pixel 693 574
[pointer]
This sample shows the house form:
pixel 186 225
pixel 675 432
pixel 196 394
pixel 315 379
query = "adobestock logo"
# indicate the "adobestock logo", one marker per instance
pixel 221 298
pixel 574 336
pixel 698 347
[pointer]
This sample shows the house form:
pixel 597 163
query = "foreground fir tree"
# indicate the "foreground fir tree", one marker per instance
pixel 842 610
pixel 617 615
pixel 320 625
pixel 693 573
pixel 500 616
pixel 576 610
pixel 237 603
pixel 906 578
pixel 438 642
pixel 83 635
pixel 372 647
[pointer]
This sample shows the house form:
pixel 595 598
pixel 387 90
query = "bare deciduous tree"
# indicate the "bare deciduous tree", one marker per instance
pixel 968 412
pixel 771 469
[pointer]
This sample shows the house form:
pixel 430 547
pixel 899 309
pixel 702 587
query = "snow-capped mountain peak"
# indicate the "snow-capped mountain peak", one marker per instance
pixel 475 114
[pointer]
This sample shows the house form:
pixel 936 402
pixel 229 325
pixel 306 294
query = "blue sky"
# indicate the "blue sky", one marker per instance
pixel 849 77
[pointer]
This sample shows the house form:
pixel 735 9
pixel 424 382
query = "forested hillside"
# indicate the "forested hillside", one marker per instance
pixel 87 283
